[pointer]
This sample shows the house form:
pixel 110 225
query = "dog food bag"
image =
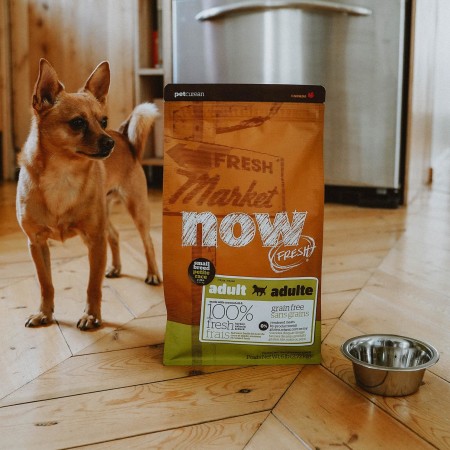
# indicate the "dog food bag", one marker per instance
pixel 243 223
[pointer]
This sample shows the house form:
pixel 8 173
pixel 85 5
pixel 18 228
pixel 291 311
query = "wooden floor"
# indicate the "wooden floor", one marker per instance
pixel 385 271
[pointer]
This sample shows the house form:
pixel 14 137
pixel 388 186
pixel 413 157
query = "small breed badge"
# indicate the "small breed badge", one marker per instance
pixel 71 167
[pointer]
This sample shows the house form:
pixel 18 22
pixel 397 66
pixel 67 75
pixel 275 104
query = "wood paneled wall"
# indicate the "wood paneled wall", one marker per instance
pixel 4 34
pixel 421 95
pixel 7 161
pixel 74 36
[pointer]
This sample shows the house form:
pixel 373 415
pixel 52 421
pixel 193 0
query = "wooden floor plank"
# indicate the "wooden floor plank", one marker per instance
pixel 138 332
pixel 98 417
pixel 13 248
pixel 345 281
pixel 347 242
pixel 325 413
pixel 383 271
pixel 285 439
pixel 417 264
pixel 70 282
pixel 406 310
pixel 229 434
pixel 95 373
pixel 327 326
pixel 133 240
pixel 363 220
pixel 420 412
pixel 118 307
pixel 341 263
pixel 334 304
pixel 25 353
pixel 145 299
pixel 434 232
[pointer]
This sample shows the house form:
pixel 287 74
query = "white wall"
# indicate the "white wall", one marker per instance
pixel 441 106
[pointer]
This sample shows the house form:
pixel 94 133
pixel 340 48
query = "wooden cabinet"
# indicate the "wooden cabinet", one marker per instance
pixel 153 65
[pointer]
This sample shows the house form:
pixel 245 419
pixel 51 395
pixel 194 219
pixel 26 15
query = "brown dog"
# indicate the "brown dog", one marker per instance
pixel 70 164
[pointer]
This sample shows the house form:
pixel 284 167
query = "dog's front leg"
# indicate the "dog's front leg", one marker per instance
pixel 41 257
pixel 92 317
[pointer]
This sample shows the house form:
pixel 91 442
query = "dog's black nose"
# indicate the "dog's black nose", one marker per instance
pixel 105 144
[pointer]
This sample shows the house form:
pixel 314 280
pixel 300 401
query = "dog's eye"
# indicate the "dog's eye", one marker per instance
pixel 104 122
pixel 78 124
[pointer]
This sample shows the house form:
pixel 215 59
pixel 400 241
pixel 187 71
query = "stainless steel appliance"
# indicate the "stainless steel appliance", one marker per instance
pixel 355 48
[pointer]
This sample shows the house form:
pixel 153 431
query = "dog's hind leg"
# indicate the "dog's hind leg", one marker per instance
pixel 41 257
pixel 113 240
pixel 139 210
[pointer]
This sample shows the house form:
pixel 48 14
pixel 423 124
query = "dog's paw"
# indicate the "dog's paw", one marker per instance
pixel 88 322
pixel 38 320
pixel 113 272
pixel 153 280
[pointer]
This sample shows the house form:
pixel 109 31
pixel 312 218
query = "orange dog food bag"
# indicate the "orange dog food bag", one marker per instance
pixel 243 224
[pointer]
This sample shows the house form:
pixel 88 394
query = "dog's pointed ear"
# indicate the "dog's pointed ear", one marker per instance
pixel 47 87
pixel 98 82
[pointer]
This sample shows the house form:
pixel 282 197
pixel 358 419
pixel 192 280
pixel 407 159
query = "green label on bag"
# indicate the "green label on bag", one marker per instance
pixel 259 311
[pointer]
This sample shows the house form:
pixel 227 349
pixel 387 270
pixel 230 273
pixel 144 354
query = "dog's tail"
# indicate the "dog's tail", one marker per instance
pixel 138 126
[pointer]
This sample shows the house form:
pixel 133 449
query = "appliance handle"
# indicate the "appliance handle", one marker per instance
pixel 218 12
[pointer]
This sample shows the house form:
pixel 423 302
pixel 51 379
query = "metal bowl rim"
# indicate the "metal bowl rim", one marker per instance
pixel 434 359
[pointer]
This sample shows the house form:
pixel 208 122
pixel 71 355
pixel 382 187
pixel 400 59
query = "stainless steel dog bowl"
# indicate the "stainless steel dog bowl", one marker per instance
pixel 387 364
